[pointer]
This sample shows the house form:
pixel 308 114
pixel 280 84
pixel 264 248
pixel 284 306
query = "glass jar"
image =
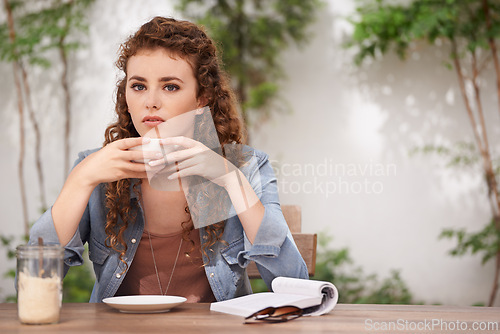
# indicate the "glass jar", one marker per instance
pixel 39 283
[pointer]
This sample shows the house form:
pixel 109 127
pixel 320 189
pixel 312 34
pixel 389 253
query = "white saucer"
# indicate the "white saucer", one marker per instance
pixel 144 303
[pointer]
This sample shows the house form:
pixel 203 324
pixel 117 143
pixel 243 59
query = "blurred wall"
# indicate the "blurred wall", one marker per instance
pixel 341 151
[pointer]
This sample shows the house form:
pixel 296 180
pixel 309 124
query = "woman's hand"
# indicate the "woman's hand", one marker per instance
pixel 111 163
pixel 115 162
pixel 195 159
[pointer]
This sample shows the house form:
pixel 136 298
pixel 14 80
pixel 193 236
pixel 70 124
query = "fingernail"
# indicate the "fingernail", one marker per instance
pixel 154 163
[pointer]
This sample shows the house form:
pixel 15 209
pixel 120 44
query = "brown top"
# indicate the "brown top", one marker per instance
pixel 188 280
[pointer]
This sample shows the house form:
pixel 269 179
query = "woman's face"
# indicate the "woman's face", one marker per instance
pixel 160 86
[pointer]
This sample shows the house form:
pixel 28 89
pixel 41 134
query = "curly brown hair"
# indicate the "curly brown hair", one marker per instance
pixel 189 42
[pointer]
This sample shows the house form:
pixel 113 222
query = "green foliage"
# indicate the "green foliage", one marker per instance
pixel 78 282
pixel 355 287
pixel 251 37
pixel 485 241
pixel 461 154
pixel 380 26
pixel 41 27
pixel 8 244
pixel 258 285
pixel 466 28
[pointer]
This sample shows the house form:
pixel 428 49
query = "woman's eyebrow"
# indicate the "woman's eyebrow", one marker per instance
pixel 138 78
pixel 162 79
pixel 165 79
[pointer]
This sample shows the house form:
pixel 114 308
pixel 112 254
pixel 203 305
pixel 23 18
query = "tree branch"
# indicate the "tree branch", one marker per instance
pixel 461 82
pixel 493 48
pixel 67 104
pixel 484 62
pixel 494 288
pixel 488 170
pixel 36 130
pixel 487 163
pixel 20 106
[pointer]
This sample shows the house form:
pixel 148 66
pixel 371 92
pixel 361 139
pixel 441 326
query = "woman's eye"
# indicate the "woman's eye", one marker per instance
pixel 171 88
pixel 137 86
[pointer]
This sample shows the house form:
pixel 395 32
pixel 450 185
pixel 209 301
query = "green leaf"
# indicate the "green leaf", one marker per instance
pixel 485 241
pixel 389 26
pixel 11 273
pixel 6 241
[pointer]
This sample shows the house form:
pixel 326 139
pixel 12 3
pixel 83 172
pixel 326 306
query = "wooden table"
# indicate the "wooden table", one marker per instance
pixel 197 318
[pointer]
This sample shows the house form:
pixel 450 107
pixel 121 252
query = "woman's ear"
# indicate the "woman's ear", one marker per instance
pixel 202 101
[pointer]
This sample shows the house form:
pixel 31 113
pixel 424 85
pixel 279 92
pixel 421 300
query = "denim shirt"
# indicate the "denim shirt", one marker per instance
pixel 273 249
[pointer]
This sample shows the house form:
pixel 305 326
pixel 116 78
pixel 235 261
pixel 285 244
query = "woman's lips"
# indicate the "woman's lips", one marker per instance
pixel 152 121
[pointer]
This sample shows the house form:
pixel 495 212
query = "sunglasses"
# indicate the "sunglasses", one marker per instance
pixel 275 314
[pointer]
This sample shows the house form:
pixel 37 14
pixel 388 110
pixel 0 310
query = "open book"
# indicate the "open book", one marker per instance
pixel 314 297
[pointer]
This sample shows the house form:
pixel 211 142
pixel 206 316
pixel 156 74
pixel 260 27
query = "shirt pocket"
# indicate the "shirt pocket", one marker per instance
pixel 98 253
pixel 230 255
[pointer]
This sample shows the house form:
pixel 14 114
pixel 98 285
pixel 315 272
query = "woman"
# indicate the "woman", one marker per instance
pixel 142 240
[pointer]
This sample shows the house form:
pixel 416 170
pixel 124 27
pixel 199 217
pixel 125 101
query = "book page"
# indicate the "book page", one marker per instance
pixel 297 286
pixel 314 297
pixel 247 305
pixel 326 291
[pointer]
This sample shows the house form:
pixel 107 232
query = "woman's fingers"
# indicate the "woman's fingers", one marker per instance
pixel 139 167
pixel 177 156
pixel 181 155
pixel 195 159
pixel 124 146
pixel 142 156
pixel 126 143
pixel 116 161
pixel 182 141
pixel 173 167
pixel 130 169
pixel 189 171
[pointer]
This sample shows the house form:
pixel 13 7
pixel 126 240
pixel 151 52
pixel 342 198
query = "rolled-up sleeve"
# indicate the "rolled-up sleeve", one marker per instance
pixel 44 228
pixel 273 249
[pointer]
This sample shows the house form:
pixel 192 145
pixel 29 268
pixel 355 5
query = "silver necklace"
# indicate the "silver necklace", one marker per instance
pixel 156 268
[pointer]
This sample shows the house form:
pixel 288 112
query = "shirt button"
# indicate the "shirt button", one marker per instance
pixel 118 275
pixel 212 274
pixel 133 241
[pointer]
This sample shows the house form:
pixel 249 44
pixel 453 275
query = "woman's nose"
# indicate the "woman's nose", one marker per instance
pixel 153 101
